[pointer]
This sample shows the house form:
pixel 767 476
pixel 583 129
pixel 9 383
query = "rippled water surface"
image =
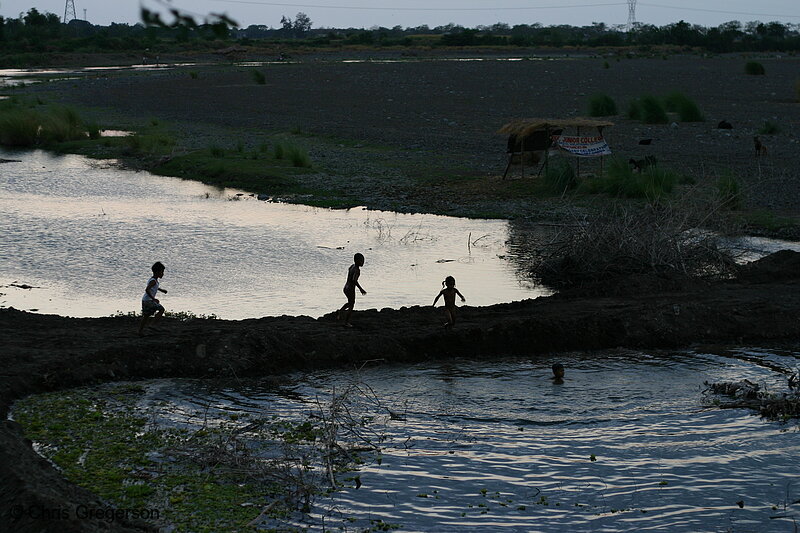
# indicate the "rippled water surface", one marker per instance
pixel 480 446
pixel 85 234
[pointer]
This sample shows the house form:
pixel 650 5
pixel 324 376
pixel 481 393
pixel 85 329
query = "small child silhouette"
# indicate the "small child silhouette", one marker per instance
pixel 449 292
pixel 150 304
pixel 350 289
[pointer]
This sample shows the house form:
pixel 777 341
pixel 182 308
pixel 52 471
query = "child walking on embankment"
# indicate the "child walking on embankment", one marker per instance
pixel 449 293
pixel 349 290
pixel 150 304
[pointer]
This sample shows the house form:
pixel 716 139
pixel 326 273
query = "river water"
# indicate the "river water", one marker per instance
pixel 485 445
pixel 84 234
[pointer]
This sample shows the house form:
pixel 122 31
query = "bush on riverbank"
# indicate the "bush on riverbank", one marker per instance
pixel 660 239
pixel 28 124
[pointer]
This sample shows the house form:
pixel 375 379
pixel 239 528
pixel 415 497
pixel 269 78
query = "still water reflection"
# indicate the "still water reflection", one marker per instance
pixel 484 445
pixel 84 234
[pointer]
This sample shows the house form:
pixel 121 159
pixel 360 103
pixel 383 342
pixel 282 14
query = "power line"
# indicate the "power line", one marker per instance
pixel 648 4
pixel 370 8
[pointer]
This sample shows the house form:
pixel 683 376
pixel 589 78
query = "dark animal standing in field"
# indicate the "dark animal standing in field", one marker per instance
pixel 637 165
pixel 725 125
pixel 760 148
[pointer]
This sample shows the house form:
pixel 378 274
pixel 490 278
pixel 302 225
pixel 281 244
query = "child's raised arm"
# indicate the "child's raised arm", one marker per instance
pixel 438 296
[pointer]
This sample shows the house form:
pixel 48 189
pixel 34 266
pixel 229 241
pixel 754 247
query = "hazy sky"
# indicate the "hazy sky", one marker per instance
pixel 367 13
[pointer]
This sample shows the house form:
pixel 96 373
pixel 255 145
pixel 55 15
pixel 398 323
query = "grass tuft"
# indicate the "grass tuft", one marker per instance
pixel 686 109
pixel 648 109
pixel 653 183
pixel 559 178
pixel 729 191
pixel 754 68
pixel 602 105
pixel 769 128
pixel 258 77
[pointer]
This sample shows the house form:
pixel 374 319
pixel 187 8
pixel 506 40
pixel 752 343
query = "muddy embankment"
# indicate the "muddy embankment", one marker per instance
pixel 46 352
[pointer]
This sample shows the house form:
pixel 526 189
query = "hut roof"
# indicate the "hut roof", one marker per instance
pixel 525 126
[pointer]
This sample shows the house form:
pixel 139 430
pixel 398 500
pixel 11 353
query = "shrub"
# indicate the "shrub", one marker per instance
pixel 648 109
pixel 754 68
pixel 258 77
pixel 147 144
pixel 686 109
pixel 216 151
pixel 19 127
pixel 606 65
pixel 659 241
pixel 769 128
pixel 653 183
pixel 559 178
pixel 729 191
pixel 298 156
pixel 279 151
pixel 602 105
pixel 193 74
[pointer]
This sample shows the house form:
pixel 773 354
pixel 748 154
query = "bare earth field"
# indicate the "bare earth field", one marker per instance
pixel 437 119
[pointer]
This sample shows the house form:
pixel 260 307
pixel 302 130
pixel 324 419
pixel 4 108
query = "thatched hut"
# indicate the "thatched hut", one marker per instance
pixel 531 139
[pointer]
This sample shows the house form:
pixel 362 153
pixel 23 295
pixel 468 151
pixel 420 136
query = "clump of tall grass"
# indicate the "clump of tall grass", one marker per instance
pixel 258 77
pixel 729 191
pixel 216 151
pixel 769 128
pixel 299 157
pixel 652 183
pixel 296 155
pixel 602 105
pixel 148 144
pixel 193 74
pixel 686 109
pixel 27 125
pixel 559 178
pixel 754 68
pixel 648 109
pixel 606 65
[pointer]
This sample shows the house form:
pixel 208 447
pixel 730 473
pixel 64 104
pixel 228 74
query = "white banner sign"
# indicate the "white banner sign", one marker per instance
pixel 583 146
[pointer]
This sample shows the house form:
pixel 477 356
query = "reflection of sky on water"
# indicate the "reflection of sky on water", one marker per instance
pixel 86 234
pixel 665 461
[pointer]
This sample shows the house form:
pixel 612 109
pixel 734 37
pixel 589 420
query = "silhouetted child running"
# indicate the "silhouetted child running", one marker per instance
pixel 150 304
pixel 350 289
pixel 449 292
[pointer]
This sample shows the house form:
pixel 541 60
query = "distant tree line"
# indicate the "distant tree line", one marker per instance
pixel 43 33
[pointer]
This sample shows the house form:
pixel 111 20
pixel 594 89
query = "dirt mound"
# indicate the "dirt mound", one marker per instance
pixel 780 266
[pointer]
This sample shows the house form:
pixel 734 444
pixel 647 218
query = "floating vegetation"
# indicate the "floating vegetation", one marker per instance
pixel 745 394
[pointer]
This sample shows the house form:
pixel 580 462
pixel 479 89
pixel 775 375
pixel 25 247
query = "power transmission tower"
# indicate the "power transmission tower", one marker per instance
pixel 69 10
pixel 631 14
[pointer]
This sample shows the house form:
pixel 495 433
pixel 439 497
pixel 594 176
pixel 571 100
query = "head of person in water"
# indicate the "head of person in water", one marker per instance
pixel 558 371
